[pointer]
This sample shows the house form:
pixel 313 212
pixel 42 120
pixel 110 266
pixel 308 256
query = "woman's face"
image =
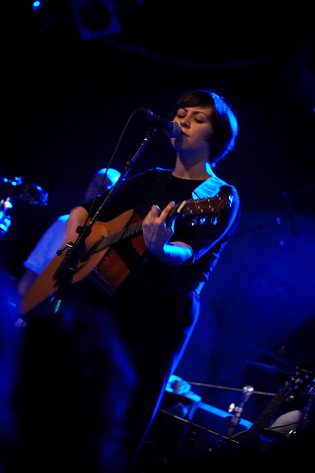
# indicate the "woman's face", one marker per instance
pixel 196 130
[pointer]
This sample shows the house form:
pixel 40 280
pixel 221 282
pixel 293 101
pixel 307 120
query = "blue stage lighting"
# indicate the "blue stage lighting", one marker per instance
pixel 36 5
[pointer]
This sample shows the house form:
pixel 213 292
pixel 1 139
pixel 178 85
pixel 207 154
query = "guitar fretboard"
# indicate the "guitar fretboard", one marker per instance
pixel 187 208
pixel 266 415
pixel 111 239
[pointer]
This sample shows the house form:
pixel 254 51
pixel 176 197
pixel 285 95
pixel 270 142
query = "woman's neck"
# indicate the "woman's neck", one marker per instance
pixel 198 171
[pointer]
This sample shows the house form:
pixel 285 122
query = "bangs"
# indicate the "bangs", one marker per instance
pixel 197 98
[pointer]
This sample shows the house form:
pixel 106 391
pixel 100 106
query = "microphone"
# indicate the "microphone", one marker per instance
pixel 172 129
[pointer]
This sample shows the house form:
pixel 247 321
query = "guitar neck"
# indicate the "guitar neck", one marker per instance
pixel 187 208
pixel 110 240
pixel 263 419
pixel 132 230
pixel 127 232
pixel 136 228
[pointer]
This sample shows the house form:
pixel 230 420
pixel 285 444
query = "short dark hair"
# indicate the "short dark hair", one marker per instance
pixel 223 119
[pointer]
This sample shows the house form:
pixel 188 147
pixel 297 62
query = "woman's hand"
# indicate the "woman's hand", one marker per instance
pixel 157 234
pixel 155 231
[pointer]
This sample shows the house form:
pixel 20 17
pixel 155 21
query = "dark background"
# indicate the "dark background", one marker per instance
pixel 67 92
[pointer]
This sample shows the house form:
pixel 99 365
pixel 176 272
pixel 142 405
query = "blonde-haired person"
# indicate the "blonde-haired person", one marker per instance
pixel 49 243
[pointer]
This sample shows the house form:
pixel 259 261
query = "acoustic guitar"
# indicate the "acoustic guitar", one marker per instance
pixel 113 247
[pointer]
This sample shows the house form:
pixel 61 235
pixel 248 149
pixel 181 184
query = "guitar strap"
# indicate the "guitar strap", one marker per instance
pixel 210 188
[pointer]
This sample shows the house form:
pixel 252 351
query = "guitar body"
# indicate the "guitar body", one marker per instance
pixel 106 266
pixel 113 248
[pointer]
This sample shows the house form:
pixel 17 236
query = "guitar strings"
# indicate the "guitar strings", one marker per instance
pixel 113 238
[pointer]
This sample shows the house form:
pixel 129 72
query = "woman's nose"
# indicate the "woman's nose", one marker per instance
pixel 185 122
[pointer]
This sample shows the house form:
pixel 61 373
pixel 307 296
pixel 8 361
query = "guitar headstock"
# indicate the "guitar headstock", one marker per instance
pixel 204 208
pixel 301 382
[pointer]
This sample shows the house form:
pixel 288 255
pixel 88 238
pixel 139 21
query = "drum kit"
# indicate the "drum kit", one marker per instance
pixel 233 437
pixel 12 190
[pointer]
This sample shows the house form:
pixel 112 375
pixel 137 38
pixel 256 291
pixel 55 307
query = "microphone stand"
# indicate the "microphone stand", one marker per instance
pixel 68 266
pixel 238 410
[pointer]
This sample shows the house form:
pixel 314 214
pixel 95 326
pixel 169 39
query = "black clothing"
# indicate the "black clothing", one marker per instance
pixel 157 306
pixel 159 187
pixel 152 313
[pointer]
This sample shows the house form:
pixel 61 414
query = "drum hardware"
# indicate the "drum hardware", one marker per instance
pixel 14 189
pixel 180 440
pixel 302 382
pixel 197 426
pixel 237 411
pixel 33 194
pixel 178 386
pixel 228 388
pixel 29 192
pixel 5 219
pixel 181 388
pixel 269 369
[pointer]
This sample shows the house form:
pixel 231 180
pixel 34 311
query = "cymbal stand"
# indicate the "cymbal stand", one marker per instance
pixel 238 410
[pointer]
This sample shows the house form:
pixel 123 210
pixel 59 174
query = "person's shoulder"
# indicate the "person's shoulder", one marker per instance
pixel 159 173
pixel 215 186
pixel 156 171
pixel 211 187
pixel 63 218
pixel 151 174
pixel 60 222
pixel 58 225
